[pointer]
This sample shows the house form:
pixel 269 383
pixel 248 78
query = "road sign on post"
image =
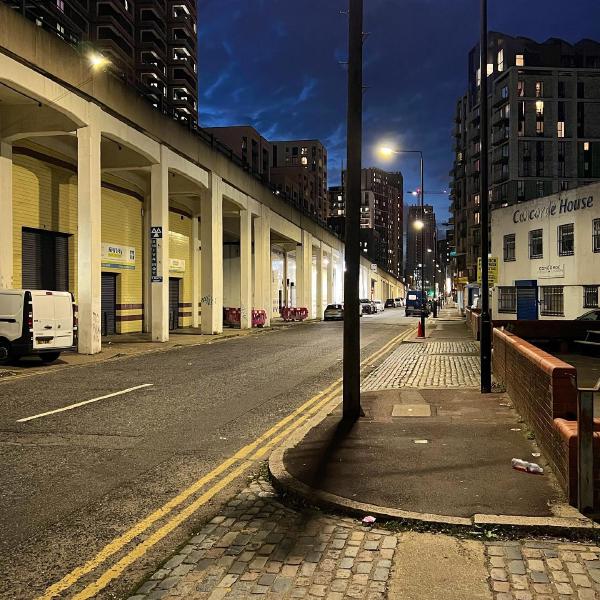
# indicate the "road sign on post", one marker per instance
pixel 156 234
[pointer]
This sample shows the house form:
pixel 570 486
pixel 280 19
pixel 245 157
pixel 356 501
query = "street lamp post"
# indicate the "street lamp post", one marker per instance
pixel 485 333
pixel 386 151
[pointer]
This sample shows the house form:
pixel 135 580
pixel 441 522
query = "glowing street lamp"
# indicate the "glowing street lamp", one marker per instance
pixel 97 61
pixel 418 224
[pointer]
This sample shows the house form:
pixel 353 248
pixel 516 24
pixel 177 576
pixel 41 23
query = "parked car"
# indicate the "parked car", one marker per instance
pixel 399 302
pixel 390 303
pixel 591 315
pixel 334 312
pixel 378 306
pixel 367 306
pixel 36 322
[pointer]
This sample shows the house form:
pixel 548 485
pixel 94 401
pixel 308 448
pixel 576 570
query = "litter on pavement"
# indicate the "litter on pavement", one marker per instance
pixel 526 467
pixel 368 520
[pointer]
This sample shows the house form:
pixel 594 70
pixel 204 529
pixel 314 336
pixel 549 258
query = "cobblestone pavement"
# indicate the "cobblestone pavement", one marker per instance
pixel 427 365
pixel 257 547
pixel 543 571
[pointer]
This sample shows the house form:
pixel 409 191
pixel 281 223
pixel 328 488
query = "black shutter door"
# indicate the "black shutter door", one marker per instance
pixel 173 303
pixel 32 260
pixel 109 302
pixel 61 263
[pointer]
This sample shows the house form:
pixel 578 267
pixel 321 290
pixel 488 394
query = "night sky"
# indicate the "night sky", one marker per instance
pixel 275 64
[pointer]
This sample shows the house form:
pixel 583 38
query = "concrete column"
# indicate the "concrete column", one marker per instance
pixel 211 231
pixel 89 248
pixel 262 262
pixel 146 285
pixel 195 271
pixel 304 272
pixel 246 269
pixel 330 278
pixel 319 290
pixel 286 275
pixel 6 221
pixel 159 225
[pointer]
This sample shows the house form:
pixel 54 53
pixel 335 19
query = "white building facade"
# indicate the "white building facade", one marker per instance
pixel 548 253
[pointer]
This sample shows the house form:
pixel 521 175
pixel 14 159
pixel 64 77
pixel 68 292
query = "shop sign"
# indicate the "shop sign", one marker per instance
pixel 492 270
pixel 155 245
pixel 461 280
pixel 177 265
pixel 114 256
pixel 551 271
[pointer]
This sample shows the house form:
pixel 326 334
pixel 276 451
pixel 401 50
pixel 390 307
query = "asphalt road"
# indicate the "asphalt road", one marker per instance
pixel 74 480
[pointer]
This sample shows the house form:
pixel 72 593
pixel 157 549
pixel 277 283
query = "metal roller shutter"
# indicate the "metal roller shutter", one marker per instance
pixel 173 303
pixel 109 303
pixel 45 260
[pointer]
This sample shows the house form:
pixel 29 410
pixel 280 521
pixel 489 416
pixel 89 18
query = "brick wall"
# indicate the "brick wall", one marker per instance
pixel 542 389
pixel 473 316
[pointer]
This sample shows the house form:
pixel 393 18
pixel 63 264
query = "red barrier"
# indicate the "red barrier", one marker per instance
pixel 289 313
pixel 231 317
pixel 259 318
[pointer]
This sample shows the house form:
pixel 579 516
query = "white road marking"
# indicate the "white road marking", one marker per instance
pixel 72 406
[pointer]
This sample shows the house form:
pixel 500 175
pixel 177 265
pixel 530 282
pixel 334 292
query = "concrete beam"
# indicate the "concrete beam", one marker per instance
pixel 6 222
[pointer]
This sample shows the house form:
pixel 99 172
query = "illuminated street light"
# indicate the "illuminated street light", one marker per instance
pixel 418 224
pixel 97 61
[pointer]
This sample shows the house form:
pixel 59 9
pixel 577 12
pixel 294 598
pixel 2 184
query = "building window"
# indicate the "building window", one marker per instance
pixel 596 235
pixel 536 244
pixel 561 89
pixel 561 129
pixel 566 239
pixel 476 218
pixel 507 299
pixel 520 190
pixel 60 4
pixel 520 60
pixel 509 247
pixel 590 296
pixel 520 88
pixel 539 89
pixel 552 303
pixel 501 60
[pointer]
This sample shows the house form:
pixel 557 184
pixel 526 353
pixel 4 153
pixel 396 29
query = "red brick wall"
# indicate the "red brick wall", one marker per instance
pixel 542 389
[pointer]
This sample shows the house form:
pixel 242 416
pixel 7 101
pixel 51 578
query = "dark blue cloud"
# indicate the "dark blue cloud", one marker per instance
pixel 278 65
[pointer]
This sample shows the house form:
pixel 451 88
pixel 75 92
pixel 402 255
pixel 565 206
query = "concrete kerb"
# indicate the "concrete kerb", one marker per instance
pixel 297 491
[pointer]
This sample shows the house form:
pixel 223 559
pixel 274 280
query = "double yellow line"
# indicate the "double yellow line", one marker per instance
pixel 246 457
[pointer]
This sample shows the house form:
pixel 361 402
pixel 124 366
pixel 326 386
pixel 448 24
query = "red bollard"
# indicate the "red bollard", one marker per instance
pixel 420 330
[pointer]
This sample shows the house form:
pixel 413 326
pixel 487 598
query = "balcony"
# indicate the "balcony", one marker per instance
pixel 500 119
pixel 500 136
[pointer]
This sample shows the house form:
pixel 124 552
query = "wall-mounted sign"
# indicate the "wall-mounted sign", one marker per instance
pixel 373 267
pixel 177 265
pixel 155 244
pixel 492 270
pixel 560 207
pixel 114 256
pixel 550 271
pixel 461 281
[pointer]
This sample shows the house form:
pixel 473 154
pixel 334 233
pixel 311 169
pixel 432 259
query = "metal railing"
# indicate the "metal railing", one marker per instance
pixel 585 448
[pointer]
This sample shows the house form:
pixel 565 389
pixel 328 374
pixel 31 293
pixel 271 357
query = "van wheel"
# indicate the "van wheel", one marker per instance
pixel 49 357
pixel 5 352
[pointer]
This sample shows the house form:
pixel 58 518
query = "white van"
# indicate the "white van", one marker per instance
pixel 36 322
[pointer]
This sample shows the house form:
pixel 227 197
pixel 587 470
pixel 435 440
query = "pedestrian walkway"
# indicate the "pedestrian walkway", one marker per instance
pixel 258 548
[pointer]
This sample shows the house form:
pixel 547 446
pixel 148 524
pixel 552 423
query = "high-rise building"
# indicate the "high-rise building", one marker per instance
pixel 151 44
pixel 421 239
pixel 336 209
pixel 302 164
pixel 248 145
pixel 544 127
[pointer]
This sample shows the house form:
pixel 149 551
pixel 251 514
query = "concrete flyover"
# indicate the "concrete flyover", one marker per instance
pixel 85 160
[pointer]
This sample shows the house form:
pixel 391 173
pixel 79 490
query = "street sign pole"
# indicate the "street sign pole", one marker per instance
pixel 351 375
pixel 485 333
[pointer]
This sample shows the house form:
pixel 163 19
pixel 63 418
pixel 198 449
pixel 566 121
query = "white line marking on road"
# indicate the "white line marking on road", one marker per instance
pixel 72 406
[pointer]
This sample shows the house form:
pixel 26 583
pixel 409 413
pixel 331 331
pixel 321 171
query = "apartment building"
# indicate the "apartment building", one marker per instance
pixel 151 44
pixel 421 245
pixel 544 130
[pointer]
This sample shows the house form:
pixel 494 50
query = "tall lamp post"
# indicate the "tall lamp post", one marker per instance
pixel 485 333
pixel 419 225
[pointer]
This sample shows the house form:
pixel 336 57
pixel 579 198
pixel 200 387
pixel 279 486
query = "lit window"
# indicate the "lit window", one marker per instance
pixel 304 160
pixel 60 4
pixel 520 60
pixel 561 129
pixel 539 108
pixel 490 69
pixel 539 89
pixel 60 28
pixel 478 77
pixel 586 146
pixel 501 60
pixel 520 88
pixel 476 218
